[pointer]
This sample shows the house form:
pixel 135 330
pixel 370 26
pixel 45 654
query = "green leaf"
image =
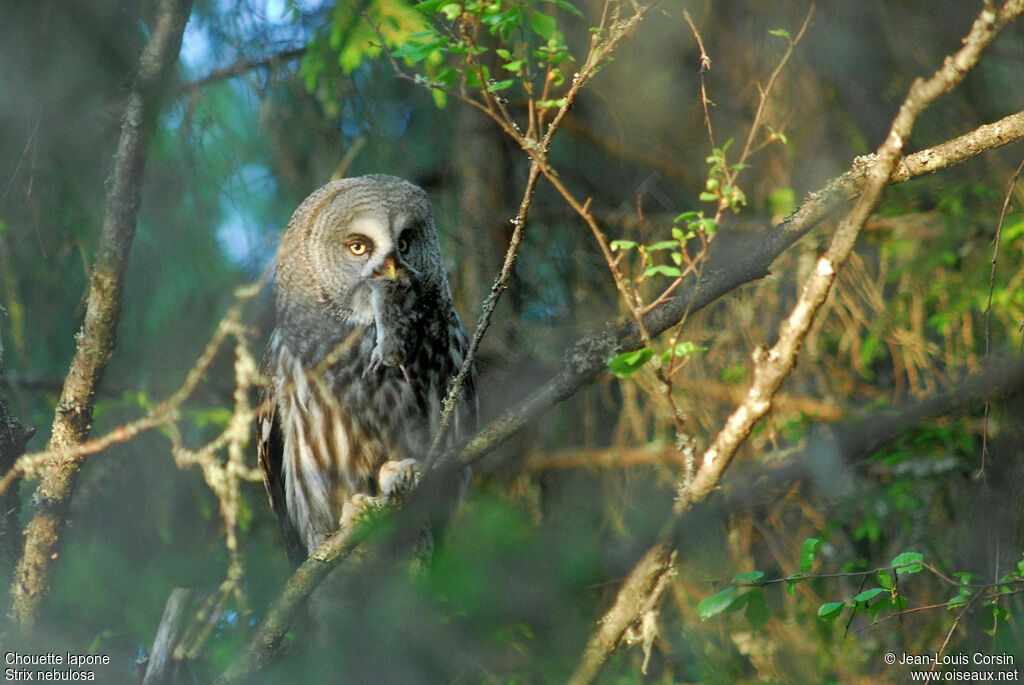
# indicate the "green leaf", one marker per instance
pixel 885 580
pixel 780 32
pixel 867 595
pixel 708 197
pixel 757 609
pixel 684 349
pixel 503 53
pixel 881 605
pixel 622 245
pixel 748 577
pixel 956 602
pixel 791 583
pixel 718 602
pixel 515 66
pixel 451 11
pixel 550 104
pixel 542 24
pixel 829 611
pixel 430 6
pixel 664 270
pixel 663 245
pixel 501 85
pixel 807 554
pixel 568 7
pixel 628 363
pixel 911 558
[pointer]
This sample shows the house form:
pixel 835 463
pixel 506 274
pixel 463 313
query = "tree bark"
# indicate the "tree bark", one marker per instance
pixel 73 418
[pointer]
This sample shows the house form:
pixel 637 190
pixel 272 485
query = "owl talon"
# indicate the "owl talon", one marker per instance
pixel 376 361
pixel 398 478
pixel 354 509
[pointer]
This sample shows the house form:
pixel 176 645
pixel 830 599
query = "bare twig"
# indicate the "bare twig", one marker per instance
pixel 766 91
pixel 705 67
pixel 73 418
pixel 243 66
pixel 500 285
pixel 988 305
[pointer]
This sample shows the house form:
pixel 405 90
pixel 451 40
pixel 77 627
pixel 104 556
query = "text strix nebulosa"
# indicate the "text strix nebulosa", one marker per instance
pixel 365 343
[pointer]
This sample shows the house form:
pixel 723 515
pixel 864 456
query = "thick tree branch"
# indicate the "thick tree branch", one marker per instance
pixel 73 418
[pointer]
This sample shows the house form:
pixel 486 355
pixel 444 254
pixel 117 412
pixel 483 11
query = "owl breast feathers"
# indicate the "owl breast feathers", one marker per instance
pixel 365 343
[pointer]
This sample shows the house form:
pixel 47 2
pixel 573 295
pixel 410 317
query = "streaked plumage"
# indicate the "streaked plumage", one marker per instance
pixel 365 343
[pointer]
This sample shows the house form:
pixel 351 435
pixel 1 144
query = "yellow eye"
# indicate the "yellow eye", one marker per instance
pixel 403 245
pixel 359 246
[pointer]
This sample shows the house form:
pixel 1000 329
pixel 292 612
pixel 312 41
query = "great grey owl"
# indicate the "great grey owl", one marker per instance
pixel 364 346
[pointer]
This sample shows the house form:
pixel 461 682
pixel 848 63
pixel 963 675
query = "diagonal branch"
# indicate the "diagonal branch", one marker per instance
pixel 73 418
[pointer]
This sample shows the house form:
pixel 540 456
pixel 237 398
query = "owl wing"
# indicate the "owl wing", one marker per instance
pixel 270 450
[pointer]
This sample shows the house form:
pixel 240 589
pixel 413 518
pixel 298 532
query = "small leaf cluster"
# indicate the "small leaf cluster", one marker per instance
pixel 733 599
pixel 885 596
pixel 628 363
pixel 686 227
pixel 540 47
pixel 720 187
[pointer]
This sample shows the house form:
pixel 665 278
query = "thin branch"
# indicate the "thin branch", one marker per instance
pixel 73 418
pixel 705 67
pixel 766 91
pixel 497 289
pixel 988 305
pixel 33 463
pixel 243 66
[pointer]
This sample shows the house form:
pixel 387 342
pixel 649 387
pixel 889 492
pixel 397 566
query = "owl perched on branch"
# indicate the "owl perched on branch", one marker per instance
pixel 365 343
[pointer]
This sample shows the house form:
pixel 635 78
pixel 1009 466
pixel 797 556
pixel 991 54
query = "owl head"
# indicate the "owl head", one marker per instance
pixel 353 244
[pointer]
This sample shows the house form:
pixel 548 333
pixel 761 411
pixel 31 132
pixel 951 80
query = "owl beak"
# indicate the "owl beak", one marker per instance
pixel 388 269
